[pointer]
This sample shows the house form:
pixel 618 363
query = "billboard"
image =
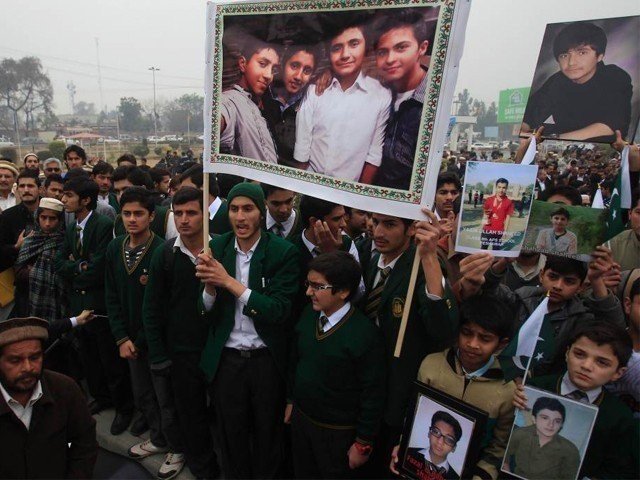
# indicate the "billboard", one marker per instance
pixel 512 104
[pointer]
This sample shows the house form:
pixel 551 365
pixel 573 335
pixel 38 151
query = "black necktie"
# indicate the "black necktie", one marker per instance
pixel 278 229
pixel 579 396
pixel 322 321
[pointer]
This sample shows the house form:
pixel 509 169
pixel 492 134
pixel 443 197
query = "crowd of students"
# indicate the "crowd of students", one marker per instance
pixel 275 341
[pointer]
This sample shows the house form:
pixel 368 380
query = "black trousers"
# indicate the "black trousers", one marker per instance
pixel 319 452
pixel 107 374
pixel 248 395
pixel 190 395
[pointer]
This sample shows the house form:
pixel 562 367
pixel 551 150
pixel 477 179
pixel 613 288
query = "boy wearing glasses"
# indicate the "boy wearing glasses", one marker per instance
pixel 337 374
pixel 444 433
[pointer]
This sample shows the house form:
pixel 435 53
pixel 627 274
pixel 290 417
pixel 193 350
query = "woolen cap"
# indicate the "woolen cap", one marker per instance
pixel 19 329
pixel 51 204
pixel 252 191
pixel 9 166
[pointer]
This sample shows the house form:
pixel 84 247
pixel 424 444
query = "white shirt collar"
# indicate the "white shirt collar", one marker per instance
pixel 427 455
pixel 213 208
pixel 361 83
pixel 83 223
pixel 310 246
pixel 567 386
pixel 35 396
pixel 250 251
pixel 391 264
pixel 287 224
pixel 336 316
pixel 180 245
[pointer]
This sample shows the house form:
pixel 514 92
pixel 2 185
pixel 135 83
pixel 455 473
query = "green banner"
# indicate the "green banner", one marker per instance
pixel 512 104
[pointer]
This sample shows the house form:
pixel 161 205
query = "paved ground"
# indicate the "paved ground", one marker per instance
pixel 122 467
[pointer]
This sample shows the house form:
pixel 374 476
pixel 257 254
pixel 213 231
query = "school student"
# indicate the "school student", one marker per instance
pixel 471 372
pixel 564 280
pixel 243 129
pixel 174 332
pixel 249 286
pixel 596 355
pixel 282 218
pixel 81 262
pixel 127 264
pixel 432 320
pixel 337 366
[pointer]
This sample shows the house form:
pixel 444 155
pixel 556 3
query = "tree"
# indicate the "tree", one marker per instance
pixel 187 107
pixel 57 148
pixel 24 87
pixel 465 100
pixel 84 108
pixel 130 114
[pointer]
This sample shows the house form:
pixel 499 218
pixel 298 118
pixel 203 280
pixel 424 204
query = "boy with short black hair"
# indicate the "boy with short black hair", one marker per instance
pixel 558 239
pixel 243 129
pixel 127 263
pixel 597 354
pixel 471 372
pixel 563 279
pixel 337 366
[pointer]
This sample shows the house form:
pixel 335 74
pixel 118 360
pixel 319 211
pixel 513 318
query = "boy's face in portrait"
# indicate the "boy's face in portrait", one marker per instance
pixel 561 287
pixel 446 443
pixel 258 71
pixel 347 52
pixel 398 53
pixel 298 71
pixel 559 223
pixel 501 189
pixel 579 63
pixel 591 365
pixel 548 423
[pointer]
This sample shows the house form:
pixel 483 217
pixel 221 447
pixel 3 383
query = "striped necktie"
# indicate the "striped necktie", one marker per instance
pixel 322 321
pixel 278 229
pixel 373 299
pixel 579 396
pixel 78 240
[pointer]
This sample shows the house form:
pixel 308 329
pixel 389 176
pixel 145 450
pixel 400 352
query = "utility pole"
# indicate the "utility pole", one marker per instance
pixel 102 105
pixel 71 88
pixel 155 114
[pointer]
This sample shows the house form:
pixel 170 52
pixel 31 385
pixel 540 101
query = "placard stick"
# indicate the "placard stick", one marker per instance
pixel 205 213
pixel 407 304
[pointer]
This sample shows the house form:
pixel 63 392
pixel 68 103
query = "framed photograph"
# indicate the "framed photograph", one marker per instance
pixel 496 200
pixel 550 438
pixel 346 101
pixel 442 436
pixel 565 230
pixel 587 81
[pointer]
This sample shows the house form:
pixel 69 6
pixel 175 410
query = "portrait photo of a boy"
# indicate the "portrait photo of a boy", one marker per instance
pixel 558 238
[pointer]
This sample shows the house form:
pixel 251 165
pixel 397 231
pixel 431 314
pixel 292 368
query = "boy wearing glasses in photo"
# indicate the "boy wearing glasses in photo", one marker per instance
pixel 337 374
pixel 444 434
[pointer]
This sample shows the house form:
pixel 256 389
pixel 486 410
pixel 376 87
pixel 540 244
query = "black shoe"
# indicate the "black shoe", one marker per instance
pixel 139 425
pixel 120 423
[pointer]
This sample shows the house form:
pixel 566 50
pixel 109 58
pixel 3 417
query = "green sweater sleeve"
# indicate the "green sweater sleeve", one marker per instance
pixel 113 300
pixel 153 308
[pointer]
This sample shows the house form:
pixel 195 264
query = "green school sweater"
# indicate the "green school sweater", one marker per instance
pixel 613 447
pixel 124 289
pixel 339 376
pixel 172 321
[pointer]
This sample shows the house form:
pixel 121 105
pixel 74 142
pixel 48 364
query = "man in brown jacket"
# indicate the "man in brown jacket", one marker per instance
pixel 46 430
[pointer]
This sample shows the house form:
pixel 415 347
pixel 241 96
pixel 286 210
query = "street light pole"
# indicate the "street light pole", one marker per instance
pixel 155 114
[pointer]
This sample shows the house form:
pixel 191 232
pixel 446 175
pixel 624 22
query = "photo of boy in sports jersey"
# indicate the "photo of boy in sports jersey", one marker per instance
pixel 585 87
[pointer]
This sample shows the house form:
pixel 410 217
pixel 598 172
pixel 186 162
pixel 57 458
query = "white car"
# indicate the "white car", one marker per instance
pixel 171 138
pixel 154 139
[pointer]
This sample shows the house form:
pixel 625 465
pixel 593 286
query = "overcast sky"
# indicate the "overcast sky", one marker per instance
pixel 501 45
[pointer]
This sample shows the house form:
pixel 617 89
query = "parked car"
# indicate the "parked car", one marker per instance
pixel 108 140
pixel 171 138
pixel 154 139
pixel 125 137
pixel 31 141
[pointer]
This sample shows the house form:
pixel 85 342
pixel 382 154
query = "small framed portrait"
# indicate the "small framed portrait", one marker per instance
pixel 496 201
pixel 441 437
pixel 549 439
pixel 585 86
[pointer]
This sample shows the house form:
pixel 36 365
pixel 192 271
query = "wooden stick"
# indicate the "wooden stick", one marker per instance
pixel 407 304
pixel 205 213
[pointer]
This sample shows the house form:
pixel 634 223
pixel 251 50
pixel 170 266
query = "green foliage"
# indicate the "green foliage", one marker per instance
pixel 57 148
pixel 9 153
pixel 140 150
pixel 44 154
pixel 157 150
pixel 184 114
pixel 174 145
pixel 131 114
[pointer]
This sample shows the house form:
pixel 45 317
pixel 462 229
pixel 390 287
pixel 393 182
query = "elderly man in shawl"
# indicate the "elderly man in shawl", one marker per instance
pixel 39 291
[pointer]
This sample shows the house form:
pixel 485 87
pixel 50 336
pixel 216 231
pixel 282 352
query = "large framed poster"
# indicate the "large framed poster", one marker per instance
pixel 343 100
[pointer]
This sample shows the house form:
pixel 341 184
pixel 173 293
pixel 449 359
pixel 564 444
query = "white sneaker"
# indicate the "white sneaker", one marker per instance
pixel 144 449
pixel 173 464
